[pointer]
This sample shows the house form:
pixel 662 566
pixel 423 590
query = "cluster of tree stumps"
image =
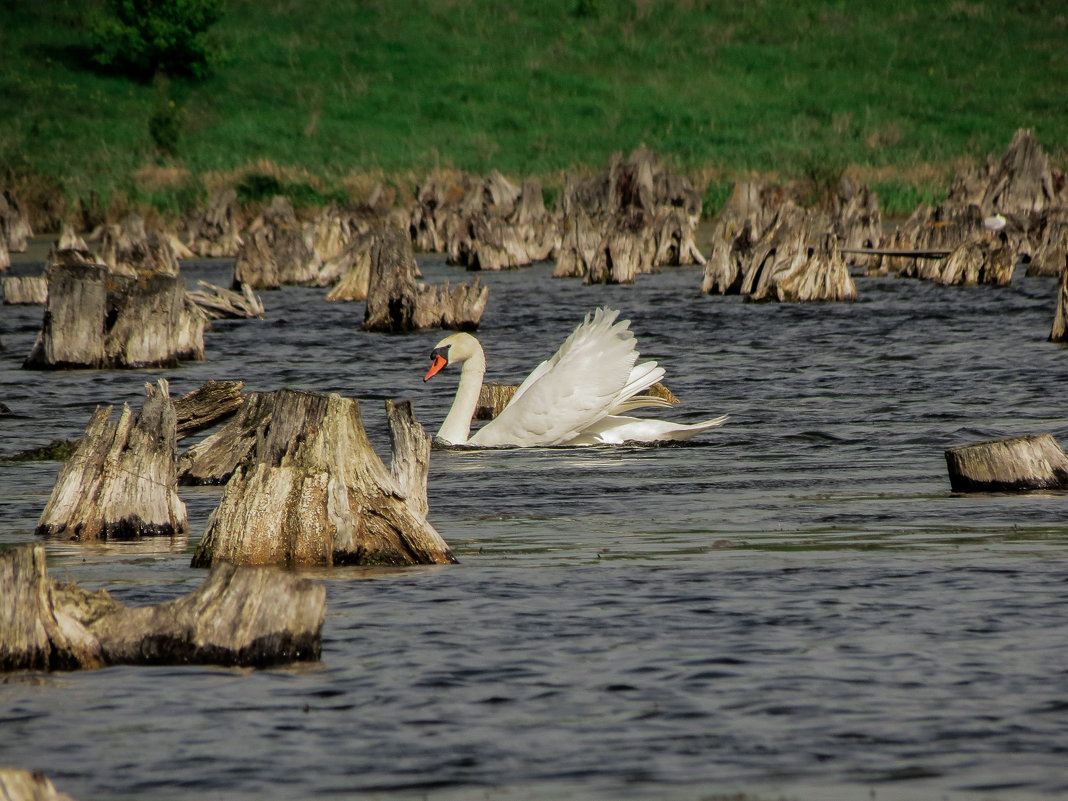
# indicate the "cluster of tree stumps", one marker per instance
pixel 302 486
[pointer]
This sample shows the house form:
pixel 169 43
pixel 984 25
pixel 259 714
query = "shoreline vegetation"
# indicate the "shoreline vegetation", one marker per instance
pixel 323 101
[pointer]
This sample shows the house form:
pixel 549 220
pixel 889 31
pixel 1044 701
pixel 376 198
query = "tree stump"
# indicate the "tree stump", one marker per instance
pixel 1014 464
pixel 73 333
pixel 278 250
pixel 980 261
pixel 99 320
pixel 1050 234
pixel 797 261
pixel 1059 332
pixel 25 785
pixel 215 233
pixel 131 249
pixel 354 268
pixel 15 229
pixel 239 616
pixel 30 290
pixel 121 481
pixel 458 309
pixel 391 285
pixel 313 492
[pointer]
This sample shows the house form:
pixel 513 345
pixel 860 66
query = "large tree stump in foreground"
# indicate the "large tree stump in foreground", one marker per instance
pixel 313 491
pixel 121 481
pixel 25 785
pixel 1014 464
pixel 238 616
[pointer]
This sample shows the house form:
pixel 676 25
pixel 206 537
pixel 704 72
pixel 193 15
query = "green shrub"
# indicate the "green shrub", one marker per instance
pixel 141 38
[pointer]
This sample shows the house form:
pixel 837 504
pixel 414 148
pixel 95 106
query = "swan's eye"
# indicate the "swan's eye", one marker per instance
pixel 443 352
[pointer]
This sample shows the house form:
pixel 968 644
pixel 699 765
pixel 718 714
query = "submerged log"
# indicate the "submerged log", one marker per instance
pixel 239 616
pixel 1013 464
pixel 121 482
pixel 313 491
pixel 25 785
pixel 206 406
pixel 30 290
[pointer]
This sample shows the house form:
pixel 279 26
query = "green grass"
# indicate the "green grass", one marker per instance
pixel 900 92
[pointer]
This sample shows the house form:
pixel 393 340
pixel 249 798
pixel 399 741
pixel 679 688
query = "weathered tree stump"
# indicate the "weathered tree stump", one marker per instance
pixel 313 491
pixel 354 267
pixel 215 233
pixel 579 239
pixel 457 309
pixel 391 293
pixel 1050 238
pixel 122 481
pixel 239 616
pixel 1023 182
pixel 625 252
pixel 99 320
pixel 25 785
pixel 278 249
pixel 798 260
pixel 980 261
pixel 206 406
pixel 733 241
pixel 217 303
pixel 29 290
pixel 858 221
pixel 1014 464
pixel 1059 332
pixel 15 229
pixel 131 249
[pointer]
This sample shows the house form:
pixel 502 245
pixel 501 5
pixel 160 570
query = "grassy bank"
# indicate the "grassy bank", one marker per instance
pixel 328 96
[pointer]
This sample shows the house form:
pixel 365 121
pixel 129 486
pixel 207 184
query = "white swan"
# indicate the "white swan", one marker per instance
pixel 577 397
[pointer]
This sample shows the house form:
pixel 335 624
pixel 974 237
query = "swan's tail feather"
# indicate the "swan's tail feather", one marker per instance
pixel 692 429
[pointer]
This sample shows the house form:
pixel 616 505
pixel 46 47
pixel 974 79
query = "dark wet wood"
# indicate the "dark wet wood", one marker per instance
pixel 121 481
pixel 311 490
pixel 239 616
pixel 1013 464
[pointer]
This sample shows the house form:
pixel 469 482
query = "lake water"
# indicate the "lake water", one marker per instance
pixel 793 606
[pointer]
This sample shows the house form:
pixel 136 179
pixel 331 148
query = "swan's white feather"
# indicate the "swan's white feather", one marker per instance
pixel 576 397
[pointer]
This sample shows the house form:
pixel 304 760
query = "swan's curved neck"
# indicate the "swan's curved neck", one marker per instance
pixel 457 426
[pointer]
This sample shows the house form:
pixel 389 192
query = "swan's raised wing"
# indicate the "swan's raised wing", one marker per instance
pixel 579 385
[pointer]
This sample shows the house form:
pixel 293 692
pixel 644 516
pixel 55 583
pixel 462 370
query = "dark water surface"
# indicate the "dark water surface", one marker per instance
pixel 794 606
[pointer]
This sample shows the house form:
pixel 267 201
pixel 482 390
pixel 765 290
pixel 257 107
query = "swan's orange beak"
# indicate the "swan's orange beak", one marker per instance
pixel 438 362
